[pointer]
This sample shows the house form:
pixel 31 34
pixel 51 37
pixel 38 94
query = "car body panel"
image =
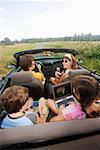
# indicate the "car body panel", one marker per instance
pixel 50 131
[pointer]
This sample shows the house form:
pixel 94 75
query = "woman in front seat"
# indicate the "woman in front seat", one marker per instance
pixel 69 62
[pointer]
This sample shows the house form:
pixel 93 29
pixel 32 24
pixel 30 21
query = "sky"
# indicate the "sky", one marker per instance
pixel 22 19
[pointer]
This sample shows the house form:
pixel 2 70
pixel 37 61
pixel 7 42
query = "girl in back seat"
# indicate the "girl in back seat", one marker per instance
pixel 85 90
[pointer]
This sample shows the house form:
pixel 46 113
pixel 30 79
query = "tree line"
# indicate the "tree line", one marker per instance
pixel 82 37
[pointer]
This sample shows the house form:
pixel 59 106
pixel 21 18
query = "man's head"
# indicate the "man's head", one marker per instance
pixel 27 63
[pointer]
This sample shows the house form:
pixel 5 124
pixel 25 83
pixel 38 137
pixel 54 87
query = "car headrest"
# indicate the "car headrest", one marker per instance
pixel 35 86
pixel 73 73
pixel 76 72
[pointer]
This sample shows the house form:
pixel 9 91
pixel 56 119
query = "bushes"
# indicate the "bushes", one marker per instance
pixel 91 58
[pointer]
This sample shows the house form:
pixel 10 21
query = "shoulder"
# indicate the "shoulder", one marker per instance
pixel 15 122
pixel 74 111
pixel 68 70
pixel 38 75
pixel 32 117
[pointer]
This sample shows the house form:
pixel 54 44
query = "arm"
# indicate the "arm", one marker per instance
pixel 57 74
pixel 27 106
pixel 57 118
pixel 52 105
pixel 64 76
pixel 60 116
pixel 41 118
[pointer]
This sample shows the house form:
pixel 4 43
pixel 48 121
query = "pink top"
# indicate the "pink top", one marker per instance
pixel 73 111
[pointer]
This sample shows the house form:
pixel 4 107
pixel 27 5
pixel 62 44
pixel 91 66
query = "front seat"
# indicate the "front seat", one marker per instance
pixel 35 86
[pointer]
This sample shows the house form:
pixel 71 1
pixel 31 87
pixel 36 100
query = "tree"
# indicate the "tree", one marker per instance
pixel 6 41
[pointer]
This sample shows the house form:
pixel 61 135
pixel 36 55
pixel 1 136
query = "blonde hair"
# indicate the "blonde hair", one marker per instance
pixel 74 62
pixel 73 59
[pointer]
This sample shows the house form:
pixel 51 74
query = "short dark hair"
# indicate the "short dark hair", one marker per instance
pixel 87 88
pixel 13 98
pixel 26 62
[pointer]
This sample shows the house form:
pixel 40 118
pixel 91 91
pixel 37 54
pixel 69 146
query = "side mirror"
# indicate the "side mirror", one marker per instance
pixel 10 66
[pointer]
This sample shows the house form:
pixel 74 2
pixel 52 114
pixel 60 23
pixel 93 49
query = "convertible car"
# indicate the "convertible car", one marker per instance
pixel 74 134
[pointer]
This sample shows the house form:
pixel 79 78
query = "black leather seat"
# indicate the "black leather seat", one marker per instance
pixel 76 72
pixel 35 86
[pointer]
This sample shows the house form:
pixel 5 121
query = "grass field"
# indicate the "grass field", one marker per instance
pixel 85 48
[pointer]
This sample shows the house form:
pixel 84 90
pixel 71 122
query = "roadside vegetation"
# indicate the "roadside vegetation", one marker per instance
pixel 90 52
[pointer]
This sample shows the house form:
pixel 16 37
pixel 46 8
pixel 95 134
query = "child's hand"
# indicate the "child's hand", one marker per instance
pixel 28 104
pixel 62 107
pixel 40 108
pixel 42 118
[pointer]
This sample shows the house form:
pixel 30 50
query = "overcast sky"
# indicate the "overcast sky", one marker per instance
pixel 49 18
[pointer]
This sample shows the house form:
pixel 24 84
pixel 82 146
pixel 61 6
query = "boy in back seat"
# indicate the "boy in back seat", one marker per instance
pixel 19 107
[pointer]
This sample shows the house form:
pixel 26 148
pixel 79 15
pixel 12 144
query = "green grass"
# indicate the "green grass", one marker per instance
pixel 85 48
